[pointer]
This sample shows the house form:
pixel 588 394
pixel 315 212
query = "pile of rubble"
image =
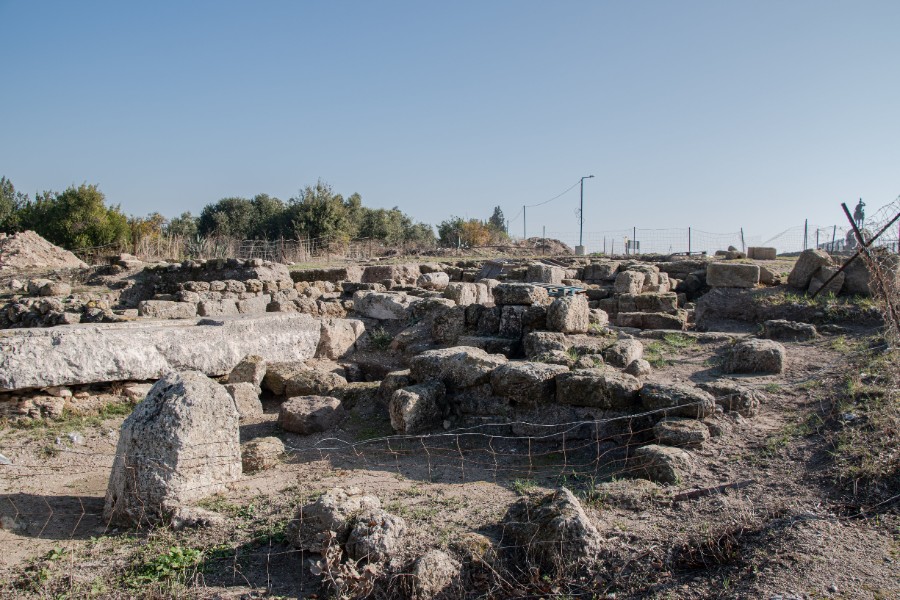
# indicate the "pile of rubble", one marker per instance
pixel 29 251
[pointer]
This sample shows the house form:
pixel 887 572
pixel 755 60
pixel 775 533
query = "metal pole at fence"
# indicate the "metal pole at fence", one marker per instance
pixel 817 237
pixel 524 225
pixel 743 245
pixel 833 235
pixel 689 241
pixel 634 239
pixel 805 231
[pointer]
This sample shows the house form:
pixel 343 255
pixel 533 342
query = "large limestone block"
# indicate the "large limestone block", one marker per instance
pixel 382 305
pixel 167 309
pixel 251 369
pixel 766 357
pixel 338 337
pixel 762 253
pixel 218 308
pixel 597 388
pixel 457 367
pixel 678 399
pixel 724 274
pixel 650 302
pixel 662 464
pixel 818 281
pixel 142 350
pixel 629 282
pixel 437 280
pixel 417 408
pixel 526 383
pixel 623 352
pixel 462 293
pixel 246 399
pixel 310 414
pixel 601 272
pixel 180 444
pixel 569 314
pixel 652 320
pixel 540 273
pixel 405 274
pixel 257 304
pixel 523 294
pixel 806 266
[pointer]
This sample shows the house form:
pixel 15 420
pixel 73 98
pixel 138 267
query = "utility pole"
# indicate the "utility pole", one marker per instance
pixel 580 249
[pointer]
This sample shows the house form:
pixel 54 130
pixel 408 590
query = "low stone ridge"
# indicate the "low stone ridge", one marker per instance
pixel 678 399
pixel 648 320
pixel 789 331
pixel 310 414
pixel 554 532
pixel 138 351
pixel 180 444
pixel 763 357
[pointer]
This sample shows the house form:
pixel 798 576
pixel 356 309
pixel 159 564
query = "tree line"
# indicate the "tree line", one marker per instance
pixel 79 217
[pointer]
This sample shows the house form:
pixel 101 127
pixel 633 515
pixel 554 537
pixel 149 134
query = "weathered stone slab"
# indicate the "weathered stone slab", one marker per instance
pixel 137 351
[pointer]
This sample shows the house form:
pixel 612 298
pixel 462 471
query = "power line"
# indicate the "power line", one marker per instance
pixel 560 195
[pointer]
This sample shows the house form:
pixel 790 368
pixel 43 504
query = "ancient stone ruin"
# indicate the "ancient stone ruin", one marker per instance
pixel 241 368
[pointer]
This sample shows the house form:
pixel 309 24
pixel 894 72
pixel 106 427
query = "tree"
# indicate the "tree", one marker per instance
pixel 497 222
pixel 185 226
pixel 318 212
pixel 11 203
pixel 77 218
pixel 269 218
pixel 227 217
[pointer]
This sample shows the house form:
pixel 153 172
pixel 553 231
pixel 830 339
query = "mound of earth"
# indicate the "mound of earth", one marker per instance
pixel 28 250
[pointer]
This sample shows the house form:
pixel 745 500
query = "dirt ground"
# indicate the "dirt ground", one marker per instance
pixel 792 528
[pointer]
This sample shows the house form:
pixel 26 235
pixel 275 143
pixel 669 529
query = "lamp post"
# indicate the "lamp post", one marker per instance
pixel 580 249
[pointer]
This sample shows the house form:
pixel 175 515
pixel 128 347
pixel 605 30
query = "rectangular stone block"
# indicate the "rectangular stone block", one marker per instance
pixel 726 274
pixel 211 308
pixel 167 309
pixel 761 253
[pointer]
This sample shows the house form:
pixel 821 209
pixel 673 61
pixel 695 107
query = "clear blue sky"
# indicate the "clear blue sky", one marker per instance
pixel 711 114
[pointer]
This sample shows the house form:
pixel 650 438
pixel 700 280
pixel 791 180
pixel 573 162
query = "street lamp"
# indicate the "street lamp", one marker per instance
pixel 580 249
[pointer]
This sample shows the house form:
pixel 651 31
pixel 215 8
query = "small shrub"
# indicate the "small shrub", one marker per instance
pixel 381 339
